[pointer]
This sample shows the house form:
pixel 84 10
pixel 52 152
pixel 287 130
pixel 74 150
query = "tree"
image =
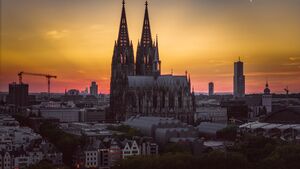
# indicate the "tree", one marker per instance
pixel 66 143
pixel 228 133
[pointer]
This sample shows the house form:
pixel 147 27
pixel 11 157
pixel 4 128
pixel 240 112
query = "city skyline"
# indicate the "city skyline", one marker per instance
pixel 267 52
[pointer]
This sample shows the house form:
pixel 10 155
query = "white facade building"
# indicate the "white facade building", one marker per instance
pixel 215 114
pixel 91 158
pixel 63 114
pixel 267 99
pixel 131 148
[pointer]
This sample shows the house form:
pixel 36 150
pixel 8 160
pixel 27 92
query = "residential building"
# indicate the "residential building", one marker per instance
pixel 21 147
pixel 215 114
pixel 130 148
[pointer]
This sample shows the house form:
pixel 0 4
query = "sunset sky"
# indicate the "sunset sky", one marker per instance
pixel 74 40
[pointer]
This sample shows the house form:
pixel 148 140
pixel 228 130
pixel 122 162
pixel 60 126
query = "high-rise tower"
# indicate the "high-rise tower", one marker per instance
pixel 211 89
pixel 122 65
pixel 239 79
pixel 147 57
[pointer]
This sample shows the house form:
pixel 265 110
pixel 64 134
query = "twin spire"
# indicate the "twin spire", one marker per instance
pixel 146 33
pixel 147 57
pixel 123 38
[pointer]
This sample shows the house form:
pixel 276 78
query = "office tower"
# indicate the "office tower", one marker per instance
pixel 210 88
pixel 239 79
pixel 94 88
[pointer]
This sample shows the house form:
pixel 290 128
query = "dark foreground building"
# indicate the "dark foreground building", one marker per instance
pixel 139 88
pixel 18 94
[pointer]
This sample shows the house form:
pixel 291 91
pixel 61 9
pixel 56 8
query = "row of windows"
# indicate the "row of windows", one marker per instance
pixel 91 159
pixel 91 163
pixel 88 154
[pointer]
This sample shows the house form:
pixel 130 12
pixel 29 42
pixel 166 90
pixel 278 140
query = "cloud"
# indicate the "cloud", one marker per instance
pixel 291 64
pixel 81 71
pixel 294 58
pixel 56 34
pixel 219 62
pixel 290 73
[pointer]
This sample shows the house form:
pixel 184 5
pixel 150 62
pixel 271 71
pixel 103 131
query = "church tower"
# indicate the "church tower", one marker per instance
pixel 122 65
pixel 147 57
pixel 267 99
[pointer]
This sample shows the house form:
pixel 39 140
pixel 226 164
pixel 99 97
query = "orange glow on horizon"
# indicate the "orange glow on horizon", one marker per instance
pixel 74 40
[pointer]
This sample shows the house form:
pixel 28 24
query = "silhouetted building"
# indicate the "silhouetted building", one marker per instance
pixel 288 115
pixel 147 57
pixel 72 92
pixel 94 89
pixel 146 92
pixel 122 66
pixel 267 99
pixel 236 110
pixel 18 94
pixel 211 89
pixel 239 79
pixel 72 95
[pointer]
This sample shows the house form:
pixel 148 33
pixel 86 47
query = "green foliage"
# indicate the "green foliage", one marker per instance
pixel 214 160
pixel 287 156
pixel 24 121
pixel 176 148
pixel 45 165
pixel 127 131
pixel 252 153
pixel 66 143
pixel 228 133
pixel 256 148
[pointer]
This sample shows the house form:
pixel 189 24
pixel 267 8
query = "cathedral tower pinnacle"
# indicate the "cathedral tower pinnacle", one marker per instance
pixel 146 33
pixel 147 58
pixel 122 66
pixel 123 38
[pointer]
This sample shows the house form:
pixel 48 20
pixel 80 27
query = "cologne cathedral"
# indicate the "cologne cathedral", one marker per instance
pixel 137 86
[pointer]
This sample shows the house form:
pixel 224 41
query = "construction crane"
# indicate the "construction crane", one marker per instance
pixel 287 95
pixel 287 90
pixel 20 74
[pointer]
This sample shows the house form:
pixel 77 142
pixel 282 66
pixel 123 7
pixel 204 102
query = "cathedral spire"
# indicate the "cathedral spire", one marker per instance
pixel 123 38
pixel 146 33
pixel 156 47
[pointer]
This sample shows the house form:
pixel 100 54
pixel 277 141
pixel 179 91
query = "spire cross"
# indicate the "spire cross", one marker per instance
pixel 146 3
pixel 123 2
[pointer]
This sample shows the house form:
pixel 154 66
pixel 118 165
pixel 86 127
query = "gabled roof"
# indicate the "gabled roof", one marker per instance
pixel 167 81
pixel 289 115
pixel 210 128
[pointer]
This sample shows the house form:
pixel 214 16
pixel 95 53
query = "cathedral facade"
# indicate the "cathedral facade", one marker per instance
pixel 137 86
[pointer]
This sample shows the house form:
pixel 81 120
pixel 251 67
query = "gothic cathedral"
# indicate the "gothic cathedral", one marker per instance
pixel 138 88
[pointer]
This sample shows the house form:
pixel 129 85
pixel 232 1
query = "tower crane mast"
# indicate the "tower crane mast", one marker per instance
pixel 48 76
